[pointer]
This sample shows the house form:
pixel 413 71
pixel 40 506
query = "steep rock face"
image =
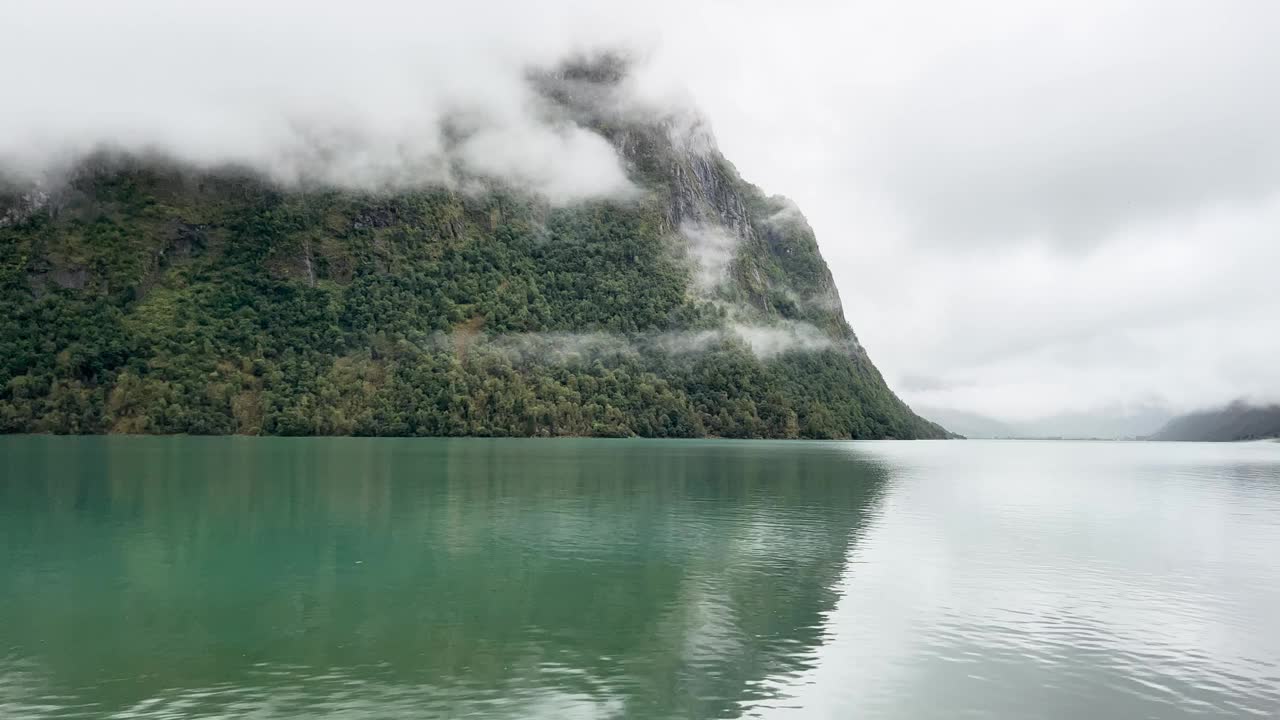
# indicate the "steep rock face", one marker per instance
pixel 18 207
pixel 145 297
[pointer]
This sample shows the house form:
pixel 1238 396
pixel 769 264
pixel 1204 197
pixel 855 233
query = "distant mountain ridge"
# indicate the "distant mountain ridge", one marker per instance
pixel 1238 421
pixel 970 425
pixel 1116 423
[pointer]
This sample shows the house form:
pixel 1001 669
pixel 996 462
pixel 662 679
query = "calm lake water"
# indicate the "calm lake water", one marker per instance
pixel 348 578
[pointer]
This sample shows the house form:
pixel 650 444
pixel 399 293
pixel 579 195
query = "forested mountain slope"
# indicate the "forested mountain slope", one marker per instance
pixel 143 297
pixel 1237 421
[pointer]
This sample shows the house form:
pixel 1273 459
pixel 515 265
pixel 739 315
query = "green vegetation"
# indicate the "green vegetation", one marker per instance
pixel 146 299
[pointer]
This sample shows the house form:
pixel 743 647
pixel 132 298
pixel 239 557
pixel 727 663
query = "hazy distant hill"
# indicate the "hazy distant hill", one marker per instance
pixel 1237 421
pixel 1111 424
pixel 970 425
pixel 142 297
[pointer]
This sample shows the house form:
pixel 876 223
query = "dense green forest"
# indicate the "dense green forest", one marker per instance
pixel 147 298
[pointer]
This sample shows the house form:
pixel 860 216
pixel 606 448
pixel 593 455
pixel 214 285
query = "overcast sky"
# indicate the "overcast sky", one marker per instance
pixel 1029 207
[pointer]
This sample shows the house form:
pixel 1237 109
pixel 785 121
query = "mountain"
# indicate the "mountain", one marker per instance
pixel 1110 423
pixel 969 424
pixel 140 296
pixel 1237 421
pixel 1114 423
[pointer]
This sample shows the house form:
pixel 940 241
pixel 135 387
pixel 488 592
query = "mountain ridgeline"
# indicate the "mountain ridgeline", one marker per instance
pixel 1238 421
pixel 142 296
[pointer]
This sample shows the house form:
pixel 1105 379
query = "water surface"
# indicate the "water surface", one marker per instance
pixel 349 578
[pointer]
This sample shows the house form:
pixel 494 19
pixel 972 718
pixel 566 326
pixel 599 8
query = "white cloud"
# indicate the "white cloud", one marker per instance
pixel 1037 206
pixel 564 348
pixel 350 94
pixel 712 249
pixel 767 341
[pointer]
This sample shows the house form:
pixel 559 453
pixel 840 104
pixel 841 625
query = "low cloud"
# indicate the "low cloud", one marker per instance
pixel 712 249
pixel 563 164
pixel 788 214
pixel 764 341
pixel 767 341
pixel 372 95
pixel 560 348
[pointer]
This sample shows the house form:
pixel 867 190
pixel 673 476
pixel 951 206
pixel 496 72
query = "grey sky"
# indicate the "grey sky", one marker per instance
pixel 1029 207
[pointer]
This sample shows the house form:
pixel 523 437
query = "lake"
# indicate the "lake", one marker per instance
pixel 353 578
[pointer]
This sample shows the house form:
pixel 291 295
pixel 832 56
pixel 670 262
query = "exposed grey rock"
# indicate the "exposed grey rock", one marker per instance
pixel 22 207
pixel 66 278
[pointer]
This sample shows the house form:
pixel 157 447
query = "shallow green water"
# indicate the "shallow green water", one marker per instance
pixel 345 578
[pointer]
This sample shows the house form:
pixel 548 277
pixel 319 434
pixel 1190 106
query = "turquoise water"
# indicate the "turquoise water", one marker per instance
pixel 351 578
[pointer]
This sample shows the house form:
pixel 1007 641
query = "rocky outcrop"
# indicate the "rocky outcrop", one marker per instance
pixel 74 278
pixel 21 206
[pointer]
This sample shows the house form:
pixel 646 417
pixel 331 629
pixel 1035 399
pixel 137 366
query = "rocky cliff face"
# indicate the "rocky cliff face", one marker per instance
pixel 143 297
pixel 17 207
